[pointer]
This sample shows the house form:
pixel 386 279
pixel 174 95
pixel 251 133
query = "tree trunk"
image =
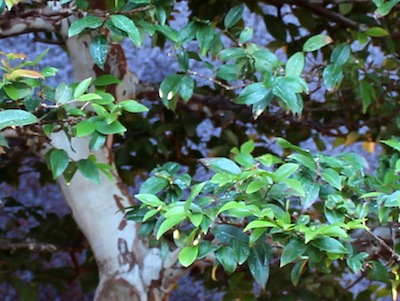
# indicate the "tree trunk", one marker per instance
pixel 128 269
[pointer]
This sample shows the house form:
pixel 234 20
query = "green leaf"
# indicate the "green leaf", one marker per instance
pixel 58 162
pixel 311 195
pixel 86 22
pixel 356 263
pixel 367 94
pixel 259 224
pixel 82 87
pixel 295 64
pixel 97 141
pixel 226 257
pixel 63 93
pixel 330 245
pixel 246 35
pixel 235 238
pixel 188 255
pixel 168 224
pixel 205 36
pixel 296 271
pixel 14 117
pixel 259 264
pixel 153 185
pixel 99 50
pixel 233 16
pixel 288 95
pixel 150 200
pixel 128 26
pixel 228 72
pixel 340 54
pixel 377 272
pixel 186 87
pixel 332 177
pixel 84 128
pixel 133 106
pixel 109 129
pixel 285 171
pixel 221 165
pixel 332 76
pixel 377 32
pixel 232 54
pixel 88 97
pixel 316 42
pixel 255 186
pixel 89 169
pixel 253 93
pixel 17 90
pixel 293 250
pixel 385 8
pixel 106 79
pixel 49 71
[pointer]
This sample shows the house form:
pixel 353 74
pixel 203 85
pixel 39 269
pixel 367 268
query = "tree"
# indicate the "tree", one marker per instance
pixel 277 214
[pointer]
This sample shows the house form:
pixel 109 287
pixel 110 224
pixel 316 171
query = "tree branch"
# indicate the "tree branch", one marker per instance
pixel 31 245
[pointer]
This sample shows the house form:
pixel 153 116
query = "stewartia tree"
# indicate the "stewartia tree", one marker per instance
pixel 266 211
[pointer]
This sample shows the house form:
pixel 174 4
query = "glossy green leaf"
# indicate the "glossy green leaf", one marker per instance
pixel 316 42
pixel 186 87
pixel 84 128
pixel 297 271
pixel 188 255
pixel 235 238
pixel 150 200
pixel 58 162
pixel 293 250
pixel 233 16
pixel 17 90
pixel 221 165
pixel 377 32
pixel 228 72
pixel 99 50
pixel 330 176
pixel 259 264
pixel 285 171
pixel 226 257
pixel 89 169
pixel 340 54
pixel 259 224
pixel 295 64
pixel 332 76
pixel 253 93
pixel 63 93
pixel 168 224
pixel 330 245
pixel 287 94
pixel 133 106
pixel 106 79
pixel 14 117
pixel 82 87
pixel 246 35
pixel 153 185
pixel 128 26
pixel 79 25
pixel 108 129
